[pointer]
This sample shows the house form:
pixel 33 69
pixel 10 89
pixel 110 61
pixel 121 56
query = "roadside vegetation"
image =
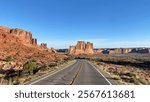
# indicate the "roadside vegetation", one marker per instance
pixel 31 70
pixel 125 68
pixel 9 58
pixel 30 67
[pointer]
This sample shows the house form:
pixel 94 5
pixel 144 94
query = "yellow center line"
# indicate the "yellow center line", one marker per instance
pixel 77 74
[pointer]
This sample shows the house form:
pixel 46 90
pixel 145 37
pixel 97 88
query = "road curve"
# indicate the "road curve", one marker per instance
pixel 80 73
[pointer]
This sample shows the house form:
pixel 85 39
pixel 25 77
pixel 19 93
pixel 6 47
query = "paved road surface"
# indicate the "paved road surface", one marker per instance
pixel 80 73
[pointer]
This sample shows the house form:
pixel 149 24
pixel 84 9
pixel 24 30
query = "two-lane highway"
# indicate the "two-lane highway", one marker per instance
pixel 80 73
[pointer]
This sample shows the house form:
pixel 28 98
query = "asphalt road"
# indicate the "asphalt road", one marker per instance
pixel 80 73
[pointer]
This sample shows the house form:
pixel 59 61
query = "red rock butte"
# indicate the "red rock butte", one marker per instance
pixel 24 36
pixel 22 46
pixel 82 48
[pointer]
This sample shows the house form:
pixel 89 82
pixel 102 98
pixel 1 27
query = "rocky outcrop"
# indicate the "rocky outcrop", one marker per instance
pixel 81 48
pixel 53 50
pixel 34 41
pixel 127 50
pixel 119 51
pixel 72 50
pixel 43 45
pixel 4 30
pixel 19 45
pixel 99 51
pixel 116 51
pixel 25 37
pixel 89 48
pixel 140 50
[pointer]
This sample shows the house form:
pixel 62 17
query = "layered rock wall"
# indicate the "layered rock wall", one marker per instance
pixel 123 51
pixel 81 48
pixel 23 36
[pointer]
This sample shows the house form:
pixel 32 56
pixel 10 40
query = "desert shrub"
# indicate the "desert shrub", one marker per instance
pixel 16 82
pixel 69 58
pixel 9 58
pixel 116 78
pixel 142 81
pixel 130 74
pixel 30 67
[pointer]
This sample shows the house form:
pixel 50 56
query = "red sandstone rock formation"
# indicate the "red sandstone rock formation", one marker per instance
pixel 120 50
pixel 99 51
pixel 72 50
pixel 53 50
pixel 21 46
pixel 34 41
pixel 24 36
pixel 81 48
pixel 43 45
pixel 116 51
pixel 128 50
pixel 89 48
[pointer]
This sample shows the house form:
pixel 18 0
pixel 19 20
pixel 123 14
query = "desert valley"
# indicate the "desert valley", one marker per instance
pixel 23 59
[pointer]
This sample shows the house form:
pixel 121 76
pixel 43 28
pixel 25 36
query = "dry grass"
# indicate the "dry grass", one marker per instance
pixel 45 72
pixel 125 74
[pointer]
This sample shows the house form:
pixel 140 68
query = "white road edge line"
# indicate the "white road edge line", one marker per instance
pixel 101 74
pixel 49 75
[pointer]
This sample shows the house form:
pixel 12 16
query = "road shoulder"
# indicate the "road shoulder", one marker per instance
pixel 31 82
pixel 107 76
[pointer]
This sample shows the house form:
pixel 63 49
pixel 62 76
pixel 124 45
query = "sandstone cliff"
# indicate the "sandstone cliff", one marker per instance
pixel 81 48
pixel 20 45
pixel 25 37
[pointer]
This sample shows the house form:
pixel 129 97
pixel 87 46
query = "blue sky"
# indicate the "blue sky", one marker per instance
pixel 60 23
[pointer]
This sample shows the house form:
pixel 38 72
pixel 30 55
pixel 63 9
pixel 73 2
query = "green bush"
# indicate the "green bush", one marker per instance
pixel 29 67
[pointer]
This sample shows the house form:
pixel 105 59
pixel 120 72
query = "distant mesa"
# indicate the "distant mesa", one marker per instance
pixel 122 50
pixel 82 48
